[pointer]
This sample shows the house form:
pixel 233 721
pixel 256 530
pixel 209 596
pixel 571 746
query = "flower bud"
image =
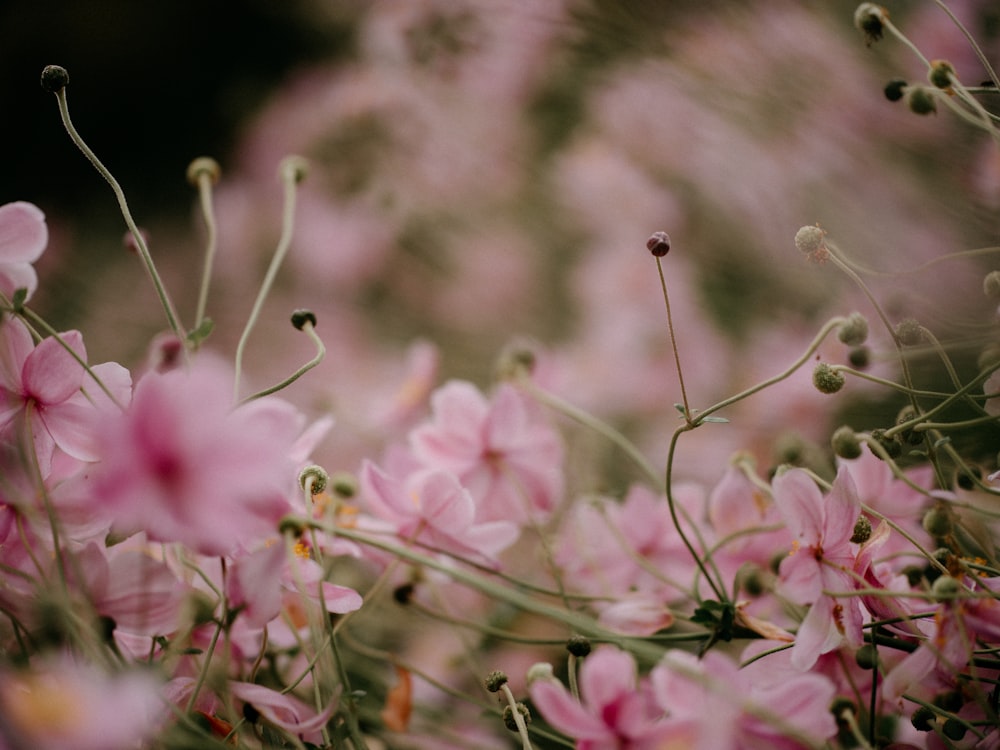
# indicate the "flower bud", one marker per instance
pixel 204 165
pixel 869 19
pixel 968 476
pixel 862 530
pixel 923 719
pixel 909 435
pixel 845 442
pixel 809 240
pixel 658 244
pixel 540 671
pixel 508 716
pixel 890 445
pixel 953 729
pixel 909 332
pixel 578 645
pixel 495 680
pixel 344 485
pixel 991 285
pixel 293 168
pixel 937 521
pixel 941 73
pixel 859 357
pixel 921 101
pixel 866 657
pixel 826 379
pixel 54 78
pixel 314 478
pixel 301 317
pixel 895 89
pixel 854 331
pixel 945 587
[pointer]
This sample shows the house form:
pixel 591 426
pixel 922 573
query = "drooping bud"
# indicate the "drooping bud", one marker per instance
pixel 301 317
pixel 854 331
pixel 826 379
pixel 54 78
pixel 658 244
pixel 869 19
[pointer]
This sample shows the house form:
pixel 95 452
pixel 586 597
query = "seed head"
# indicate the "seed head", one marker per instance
pixel 54 78
pixel 921 101
pixel 895 89
pixel 870 19
pixel 826 379
pixel 941 74
pixel 658 244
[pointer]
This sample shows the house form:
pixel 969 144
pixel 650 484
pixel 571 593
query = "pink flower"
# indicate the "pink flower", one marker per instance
pixel 508 459
pixel 182 467
pixel 23 236
pixel 61 704
pixel 616 711
pixel 40 392
pixel 711 704
pixel 431 507
pixel 284 711
pixel 821 559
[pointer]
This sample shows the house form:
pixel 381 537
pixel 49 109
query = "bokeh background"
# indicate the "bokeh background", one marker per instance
pixel 486 172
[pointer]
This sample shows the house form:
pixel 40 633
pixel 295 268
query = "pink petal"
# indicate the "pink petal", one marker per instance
pixel 17 346
pixel 340 599
pixel 606 675
pixel 564 713
pixel 800 503
pixel 51 374
pixel 23 234
pixel 842 510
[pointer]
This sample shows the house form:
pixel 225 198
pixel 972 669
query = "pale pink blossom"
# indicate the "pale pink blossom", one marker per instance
pixel 23 237
pixel 284 711
pixel 183 467
pixel 711 704
pixel 42 392
pixel 616 710
pixel 499 448
pixel 820 562
pixel 431 507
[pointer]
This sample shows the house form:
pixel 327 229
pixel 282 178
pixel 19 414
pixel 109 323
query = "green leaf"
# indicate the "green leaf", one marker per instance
pixel 199 334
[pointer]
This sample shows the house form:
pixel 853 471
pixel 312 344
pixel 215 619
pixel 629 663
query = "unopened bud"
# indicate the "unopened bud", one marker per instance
pixel 945 587
pixel 859 357
pixel 890 445
pixel 866 657
pixel 301 317
pixel 578 645
pixel 937 521
pixel 991 285
pixel 54 78
pixel 845 442
pixel 313 478
pixel 495 680
pixel 508 716
pixel 826 379
pixel 293 168
pixel 909 332
pixel 854 331
pixel 204 165
pixel 658 244
pixel 344 485
pixel 809 239
pixel 540 671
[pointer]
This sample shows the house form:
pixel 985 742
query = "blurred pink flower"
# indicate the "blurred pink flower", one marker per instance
pixel 23 236
pixel 711 704
pixel 180 465
pixel 821 561
pixel 284 711
pixel 61 704
pixel 500 450
pixel 431 507
pixel 615 711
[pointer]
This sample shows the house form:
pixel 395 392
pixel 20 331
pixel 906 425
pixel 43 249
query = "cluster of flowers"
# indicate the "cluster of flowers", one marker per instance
pixel 177 571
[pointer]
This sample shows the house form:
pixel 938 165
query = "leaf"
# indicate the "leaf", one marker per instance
pixel 199 334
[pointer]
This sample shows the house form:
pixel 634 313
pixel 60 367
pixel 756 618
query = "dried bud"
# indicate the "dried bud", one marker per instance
pixel 508 716
pixel 658 244
pixel 826 379
pixel 495 680
pixel 862 530
pixel 921 101
pixel 941 74
pixel 870 19
pixel 854 331
pixel 845 442
pixel 54 78
pixel 895 89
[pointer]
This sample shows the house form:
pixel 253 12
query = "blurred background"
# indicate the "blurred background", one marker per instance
pixel 486 172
